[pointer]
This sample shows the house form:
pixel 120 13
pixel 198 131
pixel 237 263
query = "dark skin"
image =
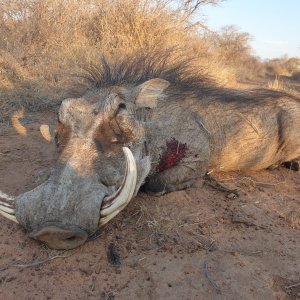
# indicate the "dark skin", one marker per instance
pixel 159 184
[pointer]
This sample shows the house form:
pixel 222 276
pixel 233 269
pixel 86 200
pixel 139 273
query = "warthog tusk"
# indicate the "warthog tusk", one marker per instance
pixel 17 124
pixel 7 209
pixel 113 204
pixel 44 129
pixel 105 220
pixel 9 204
pixel 6 197
pixel 9 216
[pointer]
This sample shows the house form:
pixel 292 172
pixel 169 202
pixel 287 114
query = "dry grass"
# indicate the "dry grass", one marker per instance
pixel 43 42
pixel 277 84
pixel 281 85
pixel 161 227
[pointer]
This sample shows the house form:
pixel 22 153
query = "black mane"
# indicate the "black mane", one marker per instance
pixel 138 68
pixel 181 72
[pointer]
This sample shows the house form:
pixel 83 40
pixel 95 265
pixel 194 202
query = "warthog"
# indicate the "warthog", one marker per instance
pixel 143 123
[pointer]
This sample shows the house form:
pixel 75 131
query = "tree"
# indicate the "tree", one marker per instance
pixel 233 45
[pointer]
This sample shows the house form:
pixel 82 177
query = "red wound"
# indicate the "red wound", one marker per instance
pixel 174 153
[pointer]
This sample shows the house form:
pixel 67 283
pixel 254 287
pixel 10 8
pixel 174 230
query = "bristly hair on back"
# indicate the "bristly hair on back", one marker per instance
pixel 182 73
pixel 134 69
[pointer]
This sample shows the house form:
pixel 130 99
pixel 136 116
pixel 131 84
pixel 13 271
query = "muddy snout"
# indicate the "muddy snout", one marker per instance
pixel 56 237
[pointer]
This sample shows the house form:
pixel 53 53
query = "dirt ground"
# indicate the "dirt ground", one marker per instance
pixel 195 244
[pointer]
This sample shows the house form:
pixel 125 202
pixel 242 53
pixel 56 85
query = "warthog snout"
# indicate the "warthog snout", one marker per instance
pixel 62 213
pixel 67 208
pixel 59 237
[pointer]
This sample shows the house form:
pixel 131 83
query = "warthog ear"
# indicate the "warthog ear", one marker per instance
pixel 149 91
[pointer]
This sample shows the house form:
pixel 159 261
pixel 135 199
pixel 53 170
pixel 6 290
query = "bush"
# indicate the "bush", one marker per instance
pixel 43 42
pixel 284 66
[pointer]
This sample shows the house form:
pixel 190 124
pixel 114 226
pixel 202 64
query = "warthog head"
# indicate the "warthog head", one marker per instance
pixel 102 163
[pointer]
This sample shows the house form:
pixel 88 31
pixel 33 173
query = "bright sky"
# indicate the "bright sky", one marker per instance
pixel 273 24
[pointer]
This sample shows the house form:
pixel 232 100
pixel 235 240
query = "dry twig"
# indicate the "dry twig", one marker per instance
pixel 292 286
pixel 38 262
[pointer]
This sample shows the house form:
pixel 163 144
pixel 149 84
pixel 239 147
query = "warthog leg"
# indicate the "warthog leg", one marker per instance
pixel 177 178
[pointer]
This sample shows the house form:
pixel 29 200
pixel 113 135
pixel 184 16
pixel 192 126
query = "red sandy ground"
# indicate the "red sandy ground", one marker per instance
pixel 193 244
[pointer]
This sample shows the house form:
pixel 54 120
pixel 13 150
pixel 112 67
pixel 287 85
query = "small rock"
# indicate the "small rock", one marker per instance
pixel 241 218
pixel 113 255
pixel 87 271
pixel 231 196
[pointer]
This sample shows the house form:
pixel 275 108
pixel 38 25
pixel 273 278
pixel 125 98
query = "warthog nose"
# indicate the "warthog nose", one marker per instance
pixel 60 237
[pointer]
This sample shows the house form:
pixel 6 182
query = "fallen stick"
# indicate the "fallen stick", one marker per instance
pixel 292 286
pixel 40 262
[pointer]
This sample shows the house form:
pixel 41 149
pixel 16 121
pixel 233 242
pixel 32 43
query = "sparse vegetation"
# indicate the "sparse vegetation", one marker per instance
pixel 278 84
pixel 43 42
pixel 284 66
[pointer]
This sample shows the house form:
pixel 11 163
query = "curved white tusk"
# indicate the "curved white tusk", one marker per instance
pixel 117 202
pixel 7 209
pixel 7 204
pixel 45 131
pixel 6 197
pixel 8 216
pixel 106 219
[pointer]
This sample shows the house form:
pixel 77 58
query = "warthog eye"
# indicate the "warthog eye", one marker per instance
pixel 121 106
pixel 115 125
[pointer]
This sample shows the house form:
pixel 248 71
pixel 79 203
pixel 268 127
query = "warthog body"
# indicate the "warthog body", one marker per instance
pixel 177 129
